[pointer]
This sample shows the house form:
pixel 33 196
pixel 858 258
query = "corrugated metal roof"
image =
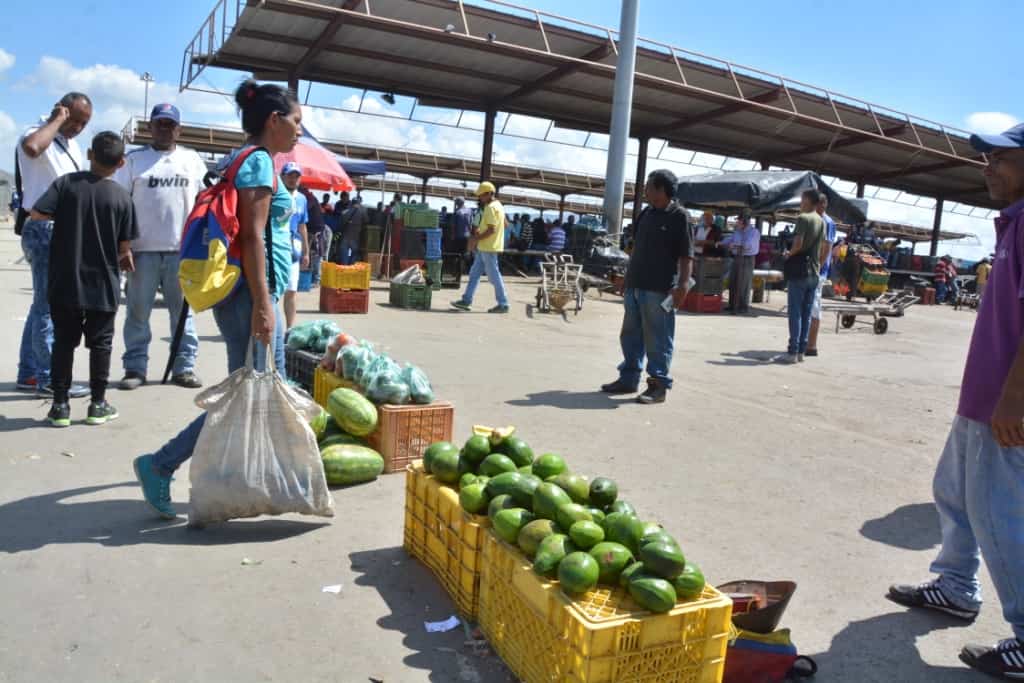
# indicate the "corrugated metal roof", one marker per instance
pixel 541 65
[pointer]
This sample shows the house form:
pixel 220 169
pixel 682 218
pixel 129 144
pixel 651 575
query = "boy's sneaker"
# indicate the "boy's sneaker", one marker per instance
pixel 1005 660
pixel 74 391
pixel 460 305
pixel 929 596
pixel 101 413
pixel 156 488
pixel 29 384
pixel 59 415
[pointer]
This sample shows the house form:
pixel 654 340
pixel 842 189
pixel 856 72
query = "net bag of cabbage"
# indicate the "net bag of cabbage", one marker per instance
pixel 256 454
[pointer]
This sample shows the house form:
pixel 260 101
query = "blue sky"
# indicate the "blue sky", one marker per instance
pixel 947 63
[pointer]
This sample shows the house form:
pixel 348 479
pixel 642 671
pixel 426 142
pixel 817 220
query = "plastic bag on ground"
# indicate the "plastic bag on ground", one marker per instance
pixel 256 454
pixel 420 390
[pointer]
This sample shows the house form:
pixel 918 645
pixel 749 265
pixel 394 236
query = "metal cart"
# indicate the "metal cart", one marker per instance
pixel 560 284
pixel 888 305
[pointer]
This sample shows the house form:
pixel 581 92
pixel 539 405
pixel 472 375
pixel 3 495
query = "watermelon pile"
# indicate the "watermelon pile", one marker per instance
pixel 574 530
pixel 339 431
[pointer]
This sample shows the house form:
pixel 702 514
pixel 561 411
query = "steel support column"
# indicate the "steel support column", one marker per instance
pixel 641 177
pixel 936 228
pixel 561 207
pixel 485 163
pixel 765 165
pixel 423 189
pixel 622 106
pixel 860 190
pixel 293 84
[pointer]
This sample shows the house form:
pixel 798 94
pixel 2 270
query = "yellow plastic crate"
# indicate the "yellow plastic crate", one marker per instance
pixel 334 276
pixel 443 536
pixel 601 637
pixel 325 381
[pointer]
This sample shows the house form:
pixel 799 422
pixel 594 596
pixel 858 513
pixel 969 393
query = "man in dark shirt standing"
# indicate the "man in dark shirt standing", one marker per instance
pixel 93 226
pixel 659 269
pixel 315 231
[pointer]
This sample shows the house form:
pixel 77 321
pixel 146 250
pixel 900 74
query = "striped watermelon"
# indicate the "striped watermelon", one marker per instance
pixel 346 464
pixel 352 411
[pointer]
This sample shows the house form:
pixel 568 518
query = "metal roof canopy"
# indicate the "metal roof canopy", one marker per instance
pixel 451 54
pixel 422 165
pixel 887 229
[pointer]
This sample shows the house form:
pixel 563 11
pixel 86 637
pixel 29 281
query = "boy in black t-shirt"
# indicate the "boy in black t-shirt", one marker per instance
pixel 93 226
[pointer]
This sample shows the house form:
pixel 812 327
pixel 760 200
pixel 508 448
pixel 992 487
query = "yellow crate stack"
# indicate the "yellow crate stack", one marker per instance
pixel 601 637
pixel 334 276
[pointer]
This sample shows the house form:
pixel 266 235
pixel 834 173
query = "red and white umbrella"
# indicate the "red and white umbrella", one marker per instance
pixel 320 167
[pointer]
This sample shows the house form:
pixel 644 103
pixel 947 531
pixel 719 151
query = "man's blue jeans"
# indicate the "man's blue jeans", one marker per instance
pixel 979 493
pixel 234 319
pixel 647 330
pixel 485 262
pixel 349 249
pixel 800 300
pixel 941 292
pixel 153 270
pixel 37 335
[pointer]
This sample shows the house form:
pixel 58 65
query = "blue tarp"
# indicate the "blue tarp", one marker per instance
pixel 362 166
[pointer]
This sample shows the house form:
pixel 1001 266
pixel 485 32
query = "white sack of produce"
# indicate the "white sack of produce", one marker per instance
pixel 412 275
pixel 256 454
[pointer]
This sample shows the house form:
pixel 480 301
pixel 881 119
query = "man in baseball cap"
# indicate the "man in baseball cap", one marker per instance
pixel 488 240
pixel 291 174
pixel 979 482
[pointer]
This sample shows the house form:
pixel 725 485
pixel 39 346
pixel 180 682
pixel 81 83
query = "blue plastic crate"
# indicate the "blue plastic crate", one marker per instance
pixel 305 280
pixel 433 238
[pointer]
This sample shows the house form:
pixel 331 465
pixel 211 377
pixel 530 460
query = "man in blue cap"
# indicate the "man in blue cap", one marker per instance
pixel 979 482
pixel 163 180
pixel 291 174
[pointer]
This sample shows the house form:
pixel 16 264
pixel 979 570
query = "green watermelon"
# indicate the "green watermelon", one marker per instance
pixel 319 423
pixel 550 553
pixel 547 499
pixel 495 464
pixel 445 466
pixel 532 534
pixel 652 593
pixel 690 584
pixel 548 465
pixel 577 573
pixel 518 450
pixel 435 448
pixel 504 483
pixel 575 485
pixel 507 523
pixel 586 534
pixel 499 503
pixel 473 498
pixel 350 464
pixel 339 439
pixel 352 411
pixel 597 515
pixel 628 573
pixel 611 559
pixel 621 506
pixel 466 479
pixel 476 449
pixel 658 536
pixel 570 513
pixel 603 492
pixel 663 559
pixel 618 528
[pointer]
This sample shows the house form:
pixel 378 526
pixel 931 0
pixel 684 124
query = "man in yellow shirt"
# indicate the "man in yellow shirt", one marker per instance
pixel 488 240
pixel 982 272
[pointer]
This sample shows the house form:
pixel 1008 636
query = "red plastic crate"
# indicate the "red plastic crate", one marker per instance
pixel 703 303
pixel 344 300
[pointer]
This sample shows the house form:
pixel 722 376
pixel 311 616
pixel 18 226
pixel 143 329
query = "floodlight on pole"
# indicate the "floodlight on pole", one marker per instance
pixel 146 78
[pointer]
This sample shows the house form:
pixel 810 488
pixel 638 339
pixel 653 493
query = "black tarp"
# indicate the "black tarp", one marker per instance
pixel 763 192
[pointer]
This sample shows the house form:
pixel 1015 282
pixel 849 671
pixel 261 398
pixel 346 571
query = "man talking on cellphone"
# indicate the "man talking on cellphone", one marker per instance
pixel 45 152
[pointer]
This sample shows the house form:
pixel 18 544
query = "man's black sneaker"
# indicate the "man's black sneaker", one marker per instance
pixel 811 353
pixel 188 380
pixel 928 595
pixel 59 415
pixel 460 305
pixel 655 392
pixel 1005 660
pixel 132 380
pixel 498 309
pixel 618 387
pixel 101 413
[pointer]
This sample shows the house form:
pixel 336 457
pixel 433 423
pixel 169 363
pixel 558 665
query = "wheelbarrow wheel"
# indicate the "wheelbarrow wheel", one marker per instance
pixel 847 321
pixel 881 326
pixel 540 300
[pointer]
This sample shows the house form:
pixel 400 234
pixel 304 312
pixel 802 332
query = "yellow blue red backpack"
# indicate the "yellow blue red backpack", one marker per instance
pixel 210 267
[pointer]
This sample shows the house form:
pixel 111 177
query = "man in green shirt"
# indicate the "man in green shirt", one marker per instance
pixel 800 287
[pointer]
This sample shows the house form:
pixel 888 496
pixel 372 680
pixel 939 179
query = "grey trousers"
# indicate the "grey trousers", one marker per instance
pixel 740 281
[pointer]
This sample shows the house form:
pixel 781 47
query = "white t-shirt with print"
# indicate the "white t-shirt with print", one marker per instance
pixel 163 186
pixel 63 156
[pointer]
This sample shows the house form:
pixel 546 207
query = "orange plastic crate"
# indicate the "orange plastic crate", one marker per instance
pixel 600 637
pixel 404 432
pixel 443 536
pixel 344 300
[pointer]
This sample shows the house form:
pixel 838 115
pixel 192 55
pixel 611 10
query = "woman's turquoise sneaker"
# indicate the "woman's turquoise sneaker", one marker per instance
pixel 156 488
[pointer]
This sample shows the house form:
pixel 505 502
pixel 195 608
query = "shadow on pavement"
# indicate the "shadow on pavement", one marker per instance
pixel 17 424
pixel 914 527
pixel 570 400
pixel 746 358
pixel 38 521
pixel 883 649
pixel 414 595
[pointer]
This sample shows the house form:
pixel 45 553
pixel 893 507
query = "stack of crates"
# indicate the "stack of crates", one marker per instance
pixel 709 273
pixel 432 253
pixel 344 289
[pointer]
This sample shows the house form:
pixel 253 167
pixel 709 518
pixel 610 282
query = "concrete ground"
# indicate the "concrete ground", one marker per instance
pixel 819 473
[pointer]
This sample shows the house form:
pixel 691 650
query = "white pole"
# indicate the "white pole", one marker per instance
pixel 622 105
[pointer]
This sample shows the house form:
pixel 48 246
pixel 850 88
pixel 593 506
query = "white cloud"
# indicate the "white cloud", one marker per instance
pixel 6 60
pixel 8 137
pixel 990 122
